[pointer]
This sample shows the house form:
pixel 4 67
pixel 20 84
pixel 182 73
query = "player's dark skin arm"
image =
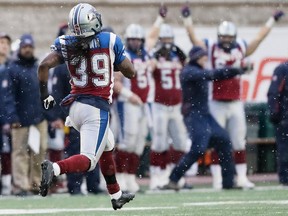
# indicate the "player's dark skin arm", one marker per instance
pixel 50 61
pixel 126 68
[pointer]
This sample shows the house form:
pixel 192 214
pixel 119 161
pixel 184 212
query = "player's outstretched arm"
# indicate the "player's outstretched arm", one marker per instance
pixel 153 34
pixel 126 68
pixel 188 23
pixel 264 31
pixel 50 61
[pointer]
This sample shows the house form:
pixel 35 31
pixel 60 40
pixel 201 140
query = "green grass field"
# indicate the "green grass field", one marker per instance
pixel 264 200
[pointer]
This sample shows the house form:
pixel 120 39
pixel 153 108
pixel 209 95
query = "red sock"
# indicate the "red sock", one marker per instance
pixel 55 155
pixel 74 164
pixel 6 163
pixel 175 155
pixel 159 159
pixel 214 157
pixel 134 161
pixel 121 160
pixel 108 169
pixel 240 157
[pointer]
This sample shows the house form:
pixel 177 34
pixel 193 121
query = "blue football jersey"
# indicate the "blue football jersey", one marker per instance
pixel 94 74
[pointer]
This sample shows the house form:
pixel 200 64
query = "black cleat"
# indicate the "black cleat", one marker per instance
pixel 125 198
pixel 47 177
pixel 171 186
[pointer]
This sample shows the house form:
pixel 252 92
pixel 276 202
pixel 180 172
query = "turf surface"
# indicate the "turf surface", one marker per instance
pixel 264 200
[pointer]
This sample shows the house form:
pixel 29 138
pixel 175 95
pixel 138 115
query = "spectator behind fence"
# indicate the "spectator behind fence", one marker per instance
pixel 28 120
pixel 278 106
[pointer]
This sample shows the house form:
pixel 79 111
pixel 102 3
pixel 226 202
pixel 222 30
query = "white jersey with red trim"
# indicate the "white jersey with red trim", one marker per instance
pixel 167 81
pixel 139 84
pixel 229 89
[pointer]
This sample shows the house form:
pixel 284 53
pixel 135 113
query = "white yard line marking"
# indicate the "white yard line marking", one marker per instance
pixel 269 202
pixel 52 211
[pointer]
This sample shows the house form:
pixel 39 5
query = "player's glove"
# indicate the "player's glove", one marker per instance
pixel 278 15
pixel 49 103
pixel 163 11
pixel 185 11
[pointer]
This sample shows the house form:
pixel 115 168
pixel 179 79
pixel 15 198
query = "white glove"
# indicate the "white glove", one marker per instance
pixel 49 102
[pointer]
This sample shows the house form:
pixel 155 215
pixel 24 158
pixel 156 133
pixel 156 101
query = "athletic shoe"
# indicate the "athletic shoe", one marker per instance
pixel 171 186
pixel 47 177
pixel 245 183
pixel 125 198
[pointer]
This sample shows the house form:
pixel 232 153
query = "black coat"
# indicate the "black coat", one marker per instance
pixel 26 92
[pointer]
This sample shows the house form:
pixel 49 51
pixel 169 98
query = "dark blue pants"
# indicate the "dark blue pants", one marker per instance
pixel 74 180
pixel 282 151
pixel 205 132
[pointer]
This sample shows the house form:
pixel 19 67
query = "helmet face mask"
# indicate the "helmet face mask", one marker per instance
pixel 227 33
pixel 84 20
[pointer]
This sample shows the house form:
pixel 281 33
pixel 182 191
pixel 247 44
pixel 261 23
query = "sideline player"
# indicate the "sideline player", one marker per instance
pixel 132 110
pixel 166 114
pixel 226 105
pixel 91 56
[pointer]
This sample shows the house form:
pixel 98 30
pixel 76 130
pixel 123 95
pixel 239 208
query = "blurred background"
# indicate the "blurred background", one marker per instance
pixel 43 18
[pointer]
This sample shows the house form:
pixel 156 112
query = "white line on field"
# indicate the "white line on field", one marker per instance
pixel 274 202
pixel 52 211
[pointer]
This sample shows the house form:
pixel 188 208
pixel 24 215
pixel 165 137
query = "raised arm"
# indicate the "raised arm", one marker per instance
pixel 153 34
pixel 264 31
pixel 188 23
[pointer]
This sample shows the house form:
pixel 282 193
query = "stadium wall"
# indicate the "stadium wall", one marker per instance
pixel 42 18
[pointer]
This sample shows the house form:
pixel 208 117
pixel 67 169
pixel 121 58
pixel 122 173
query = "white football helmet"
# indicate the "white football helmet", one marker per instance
pixel 84 20
pixel 134 31
pixel 227 29
pixel 166 31
pixel 227 35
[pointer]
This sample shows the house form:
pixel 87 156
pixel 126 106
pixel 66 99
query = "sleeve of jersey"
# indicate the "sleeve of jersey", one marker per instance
pixel 57 48
pixel 119 50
